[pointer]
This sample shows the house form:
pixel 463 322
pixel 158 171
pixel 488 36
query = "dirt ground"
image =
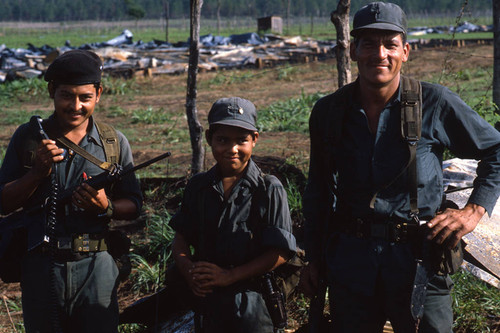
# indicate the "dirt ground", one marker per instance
pixel 263 87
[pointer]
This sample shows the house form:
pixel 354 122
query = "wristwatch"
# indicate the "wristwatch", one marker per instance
pixel 109 211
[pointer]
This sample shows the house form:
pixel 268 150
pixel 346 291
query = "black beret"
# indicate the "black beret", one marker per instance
pixel 75 67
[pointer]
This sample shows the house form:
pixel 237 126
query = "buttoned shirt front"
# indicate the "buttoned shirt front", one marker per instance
pixel 222 231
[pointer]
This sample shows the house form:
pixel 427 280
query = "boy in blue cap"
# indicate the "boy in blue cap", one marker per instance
pixel 238 222
pixel 69 284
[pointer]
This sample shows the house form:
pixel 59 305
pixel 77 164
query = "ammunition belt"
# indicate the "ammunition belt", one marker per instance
pixel 393 231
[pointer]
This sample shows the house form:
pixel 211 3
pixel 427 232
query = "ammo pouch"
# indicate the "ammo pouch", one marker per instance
pixel 445 261
pixel 119 246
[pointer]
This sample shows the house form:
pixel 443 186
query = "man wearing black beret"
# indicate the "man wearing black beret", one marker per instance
pixel 372 204
pixel 68 278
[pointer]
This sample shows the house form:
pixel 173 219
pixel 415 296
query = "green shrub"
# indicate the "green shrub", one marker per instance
pixel 288 116
pixel 150 257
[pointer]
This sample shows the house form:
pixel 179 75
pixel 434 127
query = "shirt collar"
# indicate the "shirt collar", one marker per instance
pixel 250 177
pixel 355 100
pixel 92 135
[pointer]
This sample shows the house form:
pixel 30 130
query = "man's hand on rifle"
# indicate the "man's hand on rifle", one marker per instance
pixel 309 279
pixel 87 198
pixel 47 153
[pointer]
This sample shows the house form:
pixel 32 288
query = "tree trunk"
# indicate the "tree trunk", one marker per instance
pixel 195 128
pixel 496 52
pixel 340 18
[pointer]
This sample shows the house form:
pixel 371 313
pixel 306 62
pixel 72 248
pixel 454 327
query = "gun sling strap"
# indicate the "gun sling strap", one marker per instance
pixel 411 128
pixel 110 143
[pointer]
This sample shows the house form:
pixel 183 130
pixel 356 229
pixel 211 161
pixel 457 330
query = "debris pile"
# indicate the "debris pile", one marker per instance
pixel 464 27
pixel 123 57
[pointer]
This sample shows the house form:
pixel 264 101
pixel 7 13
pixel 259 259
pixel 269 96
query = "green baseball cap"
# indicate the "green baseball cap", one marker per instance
pixel 381 16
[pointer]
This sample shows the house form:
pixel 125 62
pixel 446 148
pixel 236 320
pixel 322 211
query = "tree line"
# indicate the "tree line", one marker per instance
pixel 111 10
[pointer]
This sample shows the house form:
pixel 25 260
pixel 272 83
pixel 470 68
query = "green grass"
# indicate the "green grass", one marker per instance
pixel 288 116
pixel 78 33
pixel 475 303
pixel 151 254
pixel 17 117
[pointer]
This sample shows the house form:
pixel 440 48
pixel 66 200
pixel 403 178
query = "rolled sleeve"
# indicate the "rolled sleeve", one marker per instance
pixel 278 231
pixel 279 238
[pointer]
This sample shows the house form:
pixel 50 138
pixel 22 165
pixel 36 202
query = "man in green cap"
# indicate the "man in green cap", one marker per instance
pixel 380 207
pixel 69 280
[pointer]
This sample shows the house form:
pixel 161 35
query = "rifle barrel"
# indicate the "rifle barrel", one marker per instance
pixel 149 162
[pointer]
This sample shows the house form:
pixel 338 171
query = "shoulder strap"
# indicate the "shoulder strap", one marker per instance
pixel 110 142
pixel 83 153
pixel 411 128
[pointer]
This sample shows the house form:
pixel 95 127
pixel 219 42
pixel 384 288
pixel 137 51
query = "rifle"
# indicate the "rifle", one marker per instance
pixel 108 177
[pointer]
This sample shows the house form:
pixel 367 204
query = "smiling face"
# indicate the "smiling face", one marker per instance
pixel 74 104
pixel 380 55
pixel 231 147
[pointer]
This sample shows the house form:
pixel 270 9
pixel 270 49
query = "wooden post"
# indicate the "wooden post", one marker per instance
pixel 340 18
pixel 195 128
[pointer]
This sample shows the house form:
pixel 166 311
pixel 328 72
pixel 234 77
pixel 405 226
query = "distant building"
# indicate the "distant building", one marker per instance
pixel 272 23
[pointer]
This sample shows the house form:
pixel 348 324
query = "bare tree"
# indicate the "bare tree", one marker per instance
pixel 340 18
pixel 195 128
pixel 496 61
